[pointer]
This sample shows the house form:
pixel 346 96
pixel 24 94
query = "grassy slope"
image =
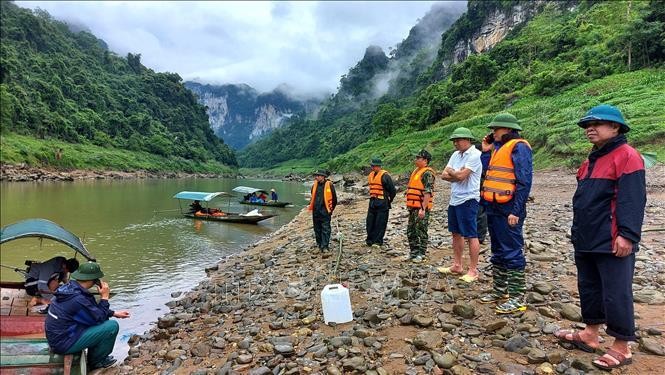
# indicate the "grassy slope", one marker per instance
pixel 16 149
pixel 549 124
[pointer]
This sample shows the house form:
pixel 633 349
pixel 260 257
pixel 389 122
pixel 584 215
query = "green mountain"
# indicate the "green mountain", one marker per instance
pixel 65 86
pixel 547 62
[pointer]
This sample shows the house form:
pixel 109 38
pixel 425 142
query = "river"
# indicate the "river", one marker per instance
pixel 146 249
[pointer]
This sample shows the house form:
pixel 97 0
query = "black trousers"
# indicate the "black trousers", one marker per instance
pixel 322 230
pixel 377 221
pixel 481 223
pixel 605 283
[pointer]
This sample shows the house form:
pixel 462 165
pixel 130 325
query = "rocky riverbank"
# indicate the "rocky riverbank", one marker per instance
pixel 26 173
pixel 259 312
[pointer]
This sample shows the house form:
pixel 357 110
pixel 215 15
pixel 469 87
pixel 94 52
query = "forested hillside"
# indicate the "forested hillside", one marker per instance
pixel 545 61
pixel 65 85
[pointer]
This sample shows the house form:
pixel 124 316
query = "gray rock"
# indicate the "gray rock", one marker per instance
pixel 543 287
pixel 428 340
pixel 534 297
pixel 201 350
pixel 263 370
pixel 495 325
pixel 354 363
pixel 652 346
pixel 464 310
pixel 403 293
pixel 332 370
pixel 284 349
pixel 536 356
pixel 446 360
pixel 245 358
pixel 582 364
pixel 571 312
pixel 166 321
pixel 515 343
pixel 423 320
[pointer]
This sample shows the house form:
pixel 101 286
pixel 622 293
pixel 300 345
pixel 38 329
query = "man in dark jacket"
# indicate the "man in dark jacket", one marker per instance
pixel 608 210
pixel 505 191
pixel 76 321
pixel 322 204
pixel 382 192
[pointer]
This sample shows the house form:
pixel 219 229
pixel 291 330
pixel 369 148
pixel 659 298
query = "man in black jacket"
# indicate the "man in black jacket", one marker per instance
pixel 382 192
pixel 608 210
pixel 322 204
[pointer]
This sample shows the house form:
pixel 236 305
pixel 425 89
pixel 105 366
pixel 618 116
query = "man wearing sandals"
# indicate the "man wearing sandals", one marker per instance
pixel 505 192
pixel 608 210
pixel 463 172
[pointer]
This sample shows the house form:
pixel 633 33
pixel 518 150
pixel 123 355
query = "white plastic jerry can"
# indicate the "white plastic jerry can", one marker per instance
pixel 336 304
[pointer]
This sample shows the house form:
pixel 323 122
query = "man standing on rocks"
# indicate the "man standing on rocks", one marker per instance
pixel 608 211
pixel 322 204
pixel 381 194
pixel 505 191
pixel 419 202
pixel 463 171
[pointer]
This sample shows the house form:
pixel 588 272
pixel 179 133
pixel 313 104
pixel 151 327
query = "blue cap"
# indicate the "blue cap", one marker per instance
pixel 605 112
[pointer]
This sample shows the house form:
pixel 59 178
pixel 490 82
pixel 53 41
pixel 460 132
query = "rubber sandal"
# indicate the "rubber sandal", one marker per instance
pixel 577 341
pixel 447 271
pixel 618 357
pixel 468 278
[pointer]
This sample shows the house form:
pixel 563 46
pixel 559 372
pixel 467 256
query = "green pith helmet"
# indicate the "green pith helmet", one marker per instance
pixel 462 133
pixel 375 162
pixel 505 120
pixel 424 154
pixel 88 271
pixel 605 112
pixel 321 172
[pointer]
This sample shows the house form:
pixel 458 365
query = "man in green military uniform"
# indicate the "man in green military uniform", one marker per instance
pixel 419 198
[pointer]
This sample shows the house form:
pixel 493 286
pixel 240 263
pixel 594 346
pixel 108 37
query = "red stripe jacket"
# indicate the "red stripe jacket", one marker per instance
pixel 610 198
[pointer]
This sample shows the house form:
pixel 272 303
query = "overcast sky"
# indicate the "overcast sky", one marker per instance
pixel 307 45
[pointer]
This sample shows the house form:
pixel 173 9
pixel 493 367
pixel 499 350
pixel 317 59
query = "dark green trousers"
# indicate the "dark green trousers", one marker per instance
pixel 416 232
pixel 99 340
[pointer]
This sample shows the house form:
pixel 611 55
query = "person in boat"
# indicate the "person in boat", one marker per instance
pixel 247 197
pixel 195 206
pixel 273 195
pixel 322 204
pixel 76 321
pixel 263 198
pixel 253 198
pixel 43 278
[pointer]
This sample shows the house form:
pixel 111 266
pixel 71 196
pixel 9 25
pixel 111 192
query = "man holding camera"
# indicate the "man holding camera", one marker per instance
pixel 76 321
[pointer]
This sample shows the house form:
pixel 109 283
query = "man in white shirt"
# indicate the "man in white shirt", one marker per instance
pixel 463 172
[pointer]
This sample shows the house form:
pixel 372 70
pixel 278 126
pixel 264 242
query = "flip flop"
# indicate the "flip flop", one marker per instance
pixel 616 356
pixel 468 278
pixel 447 271
pixel 576 341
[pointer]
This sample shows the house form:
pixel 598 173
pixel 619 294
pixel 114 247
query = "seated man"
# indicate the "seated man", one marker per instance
pixel 76 321
pixel 43 278
pixel 195 207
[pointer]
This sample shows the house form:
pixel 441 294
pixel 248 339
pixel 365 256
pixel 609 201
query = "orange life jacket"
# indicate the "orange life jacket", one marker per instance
pixel 327 196
pixel 499 185
pixel 375 185
pixel 415 190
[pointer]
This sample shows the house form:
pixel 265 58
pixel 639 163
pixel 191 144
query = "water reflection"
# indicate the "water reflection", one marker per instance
pixel 146 249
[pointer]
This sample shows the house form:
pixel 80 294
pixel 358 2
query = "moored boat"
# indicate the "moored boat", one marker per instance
pixel 247 191
pixel 216 214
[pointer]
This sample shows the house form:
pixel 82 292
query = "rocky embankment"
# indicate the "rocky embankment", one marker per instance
pixel 259 312
pixel 24 173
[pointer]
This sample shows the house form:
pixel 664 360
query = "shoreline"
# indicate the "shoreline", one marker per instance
pixel 259 311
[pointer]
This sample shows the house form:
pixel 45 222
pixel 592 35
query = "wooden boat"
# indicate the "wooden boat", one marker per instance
pixel 23 345
pixel 250 190
pixel 215 214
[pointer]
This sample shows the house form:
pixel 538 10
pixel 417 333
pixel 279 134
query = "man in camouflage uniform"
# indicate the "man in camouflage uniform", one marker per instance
pixel 419 204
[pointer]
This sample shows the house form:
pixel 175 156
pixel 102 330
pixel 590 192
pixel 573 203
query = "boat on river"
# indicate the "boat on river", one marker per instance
pixel 217 214
pixel 23 345
pixel 247 191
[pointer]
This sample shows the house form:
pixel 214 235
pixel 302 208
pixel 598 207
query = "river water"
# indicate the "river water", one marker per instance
pixel 146 249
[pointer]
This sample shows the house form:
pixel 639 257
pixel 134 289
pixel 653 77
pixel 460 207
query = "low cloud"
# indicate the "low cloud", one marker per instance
pixel 308 45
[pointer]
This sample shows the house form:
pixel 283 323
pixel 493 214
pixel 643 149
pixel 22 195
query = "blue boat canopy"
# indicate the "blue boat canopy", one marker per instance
pixel 198 195
pixel 248 190
pixel 43 228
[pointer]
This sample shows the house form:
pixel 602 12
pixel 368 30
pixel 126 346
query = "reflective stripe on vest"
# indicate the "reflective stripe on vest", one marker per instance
pixel 327 196
pixel 499 185
pixel 415 190
pixel 375 185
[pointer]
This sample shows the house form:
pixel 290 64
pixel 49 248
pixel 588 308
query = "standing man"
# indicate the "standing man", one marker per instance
pixel 273 195
pixel 419 201
pixel 608 210
pixel 506 190
pixel 381 194
pixel 76 321
pixel 463 172
pixel 322 204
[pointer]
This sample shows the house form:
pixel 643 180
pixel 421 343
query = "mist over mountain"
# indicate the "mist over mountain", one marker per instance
pixel 239 114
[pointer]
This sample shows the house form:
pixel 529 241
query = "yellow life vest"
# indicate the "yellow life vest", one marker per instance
pixel 327 196
pixel 499 185
pixel 415 190
pixel 375 185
